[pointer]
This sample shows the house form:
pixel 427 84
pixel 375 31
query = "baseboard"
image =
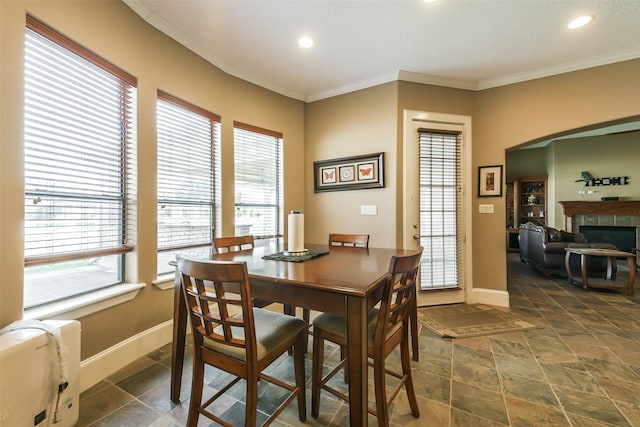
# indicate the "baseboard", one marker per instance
pixel 490 297
pixel 100 366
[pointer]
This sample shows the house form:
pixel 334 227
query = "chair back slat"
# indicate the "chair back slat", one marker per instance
pixel 398 294
pixel 216 293
pixel 353 240
pixel 233 243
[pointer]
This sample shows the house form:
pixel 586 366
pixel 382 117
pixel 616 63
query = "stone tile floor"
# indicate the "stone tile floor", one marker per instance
pixel 581 367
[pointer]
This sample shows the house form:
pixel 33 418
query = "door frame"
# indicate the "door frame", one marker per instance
pixel 412 120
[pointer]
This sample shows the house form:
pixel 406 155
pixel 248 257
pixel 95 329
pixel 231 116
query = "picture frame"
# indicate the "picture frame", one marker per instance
pixel 349 173
pixel 490 181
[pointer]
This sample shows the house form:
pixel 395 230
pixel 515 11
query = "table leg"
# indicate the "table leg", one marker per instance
pixel 179 339
pixel 357 359
pixel 567 266
pixel 583 270
pixel 631 260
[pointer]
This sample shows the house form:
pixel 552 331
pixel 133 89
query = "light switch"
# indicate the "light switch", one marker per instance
pixel 368 210
pixel 486 209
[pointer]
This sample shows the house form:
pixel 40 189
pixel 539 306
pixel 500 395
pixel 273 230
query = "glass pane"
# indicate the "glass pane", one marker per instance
pixel 54 282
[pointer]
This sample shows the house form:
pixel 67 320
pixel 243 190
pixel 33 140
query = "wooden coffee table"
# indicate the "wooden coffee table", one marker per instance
pixel 609 281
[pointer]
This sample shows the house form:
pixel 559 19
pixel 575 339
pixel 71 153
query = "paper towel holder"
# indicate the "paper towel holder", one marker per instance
pixel 302 251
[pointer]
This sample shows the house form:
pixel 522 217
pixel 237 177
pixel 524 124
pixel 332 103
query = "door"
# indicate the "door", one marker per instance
pixel 436 177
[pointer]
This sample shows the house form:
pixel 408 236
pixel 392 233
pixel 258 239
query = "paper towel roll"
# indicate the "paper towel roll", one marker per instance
pixel 296 232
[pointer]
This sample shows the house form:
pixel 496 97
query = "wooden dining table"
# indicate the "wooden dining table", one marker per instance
pixel 344 281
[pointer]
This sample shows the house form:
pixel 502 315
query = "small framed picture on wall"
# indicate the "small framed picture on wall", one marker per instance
pixel 490 181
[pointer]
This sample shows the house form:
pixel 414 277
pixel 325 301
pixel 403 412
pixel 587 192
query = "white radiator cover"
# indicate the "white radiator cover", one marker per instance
pixel 25 370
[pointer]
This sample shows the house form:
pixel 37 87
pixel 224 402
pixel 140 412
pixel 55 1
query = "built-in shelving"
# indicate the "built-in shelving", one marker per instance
pixel 526 201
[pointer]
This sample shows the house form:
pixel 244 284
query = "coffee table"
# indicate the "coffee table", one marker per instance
pixel 609 281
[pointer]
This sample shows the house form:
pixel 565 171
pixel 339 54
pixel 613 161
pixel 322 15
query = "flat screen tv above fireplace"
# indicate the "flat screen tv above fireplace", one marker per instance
pixel 624 238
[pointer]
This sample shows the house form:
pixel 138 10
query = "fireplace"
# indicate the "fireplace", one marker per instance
pixel 616 222
pixel 624 238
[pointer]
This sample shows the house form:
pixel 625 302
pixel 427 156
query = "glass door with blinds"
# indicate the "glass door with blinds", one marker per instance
pixel 435 202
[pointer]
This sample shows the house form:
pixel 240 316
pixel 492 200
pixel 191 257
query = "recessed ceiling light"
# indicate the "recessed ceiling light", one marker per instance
pixel 579 22
pixel 305 42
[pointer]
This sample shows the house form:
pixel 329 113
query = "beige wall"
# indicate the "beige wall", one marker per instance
pixel 113 31
pixel 361 122
pixel 512 115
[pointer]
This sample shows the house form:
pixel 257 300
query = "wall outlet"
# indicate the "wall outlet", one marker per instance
pixel 368 210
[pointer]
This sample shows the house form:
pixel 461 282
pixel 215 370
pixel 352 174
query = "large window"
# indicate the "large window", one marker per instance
pixel 188 179
pixel 79 156
pixel 258 183
pixel 440 208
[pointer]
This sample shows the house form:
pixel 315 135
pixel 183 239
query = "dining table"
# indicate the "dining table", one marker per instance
pixel 341 280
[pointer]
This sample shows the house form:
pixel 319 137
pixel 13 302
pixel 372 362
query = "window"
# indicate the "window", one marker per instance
pixel 258 183
pixel 79 132
pixel 188 179
pixel 440 208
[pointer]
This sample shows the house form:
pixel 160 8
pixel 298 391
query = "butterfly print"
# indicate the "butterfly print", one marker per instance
pixel 365 172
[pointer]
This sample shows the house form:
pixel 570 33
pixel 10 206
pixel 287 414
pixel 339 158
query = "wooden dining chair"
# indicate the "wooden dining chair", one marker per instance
pixel 234 244
pixel 388 328
pixel 335 239
pixel 243 344
pixel 362 241
pixel 353 240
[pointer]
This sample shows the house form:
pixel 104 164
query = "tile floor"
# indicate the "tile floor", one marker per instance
pixel 581 367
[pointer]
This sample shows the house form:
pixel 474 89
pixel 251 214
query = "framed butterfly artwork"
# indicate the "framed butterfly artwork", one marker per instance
pixel 349 173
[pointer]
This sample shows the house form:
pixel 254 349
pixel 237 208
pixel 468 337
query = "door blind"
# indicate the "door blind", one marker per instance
pixel 440 208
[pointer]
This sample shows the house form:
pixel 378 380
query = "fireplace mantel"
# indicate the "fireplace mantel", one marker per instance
pixel 618 207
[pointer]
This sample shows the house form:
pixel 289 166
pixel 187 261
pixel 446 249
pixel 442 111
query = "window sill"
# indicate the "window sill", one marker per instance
pixel 81 306
pixel 164 282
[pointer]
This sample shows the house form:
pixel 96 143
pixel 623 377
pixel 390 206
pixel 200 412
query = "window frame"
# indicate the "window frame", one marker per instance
pixel 268 136
pixel 125 159
pixel 213 202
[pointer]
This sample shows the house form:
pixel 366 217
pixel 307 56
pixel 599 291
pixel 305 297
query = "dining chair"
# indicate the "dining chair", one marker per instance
pixel 388 329
pixel 234 244
pixel 335 239
pixel 362 241
pixel 353 240
pixel 243 344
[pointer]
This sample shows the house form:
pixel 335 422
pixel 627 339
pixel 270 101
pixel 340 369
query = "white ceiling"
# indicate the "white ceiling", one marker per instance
pixel 470 44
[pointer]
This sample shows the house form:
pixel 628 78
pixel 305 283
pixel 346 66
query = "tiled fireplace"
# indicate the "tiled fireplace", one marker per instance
pixel 618 221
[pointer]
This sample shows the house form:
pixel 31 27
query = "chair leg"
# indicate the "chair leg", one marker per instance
pixel 406 371
pixel 414 329
pixel 197 383
pixel 380 390
pixel 343 356
pixel 251 409
pixel 299 351
pixel 316 373
pixel 306 315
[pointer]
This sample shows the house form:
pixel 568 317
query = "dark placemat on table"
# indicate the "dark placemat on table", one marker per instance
pixel 280 256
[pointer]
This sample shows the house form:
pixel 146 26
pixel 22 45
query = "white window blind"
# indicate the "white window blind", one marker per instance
pixel 188 181
pixel 79 154
pixel 258 182
pixel 440 208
